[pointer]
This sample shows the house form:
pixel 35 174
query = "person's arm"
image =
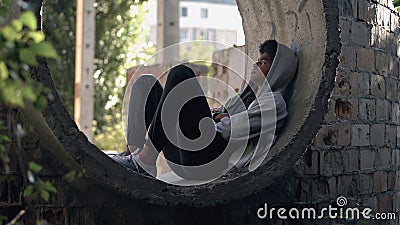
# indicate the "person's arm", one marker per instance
pixel 253 122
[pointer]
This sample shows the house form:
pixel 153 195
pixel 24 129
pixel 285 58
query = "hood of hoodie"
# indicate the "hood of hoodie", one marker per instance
pixel 283 69
pixel 263 116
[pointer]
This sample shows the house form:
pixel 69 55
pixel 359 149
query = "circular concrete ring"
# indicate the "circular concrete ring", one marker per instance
pixel 310 27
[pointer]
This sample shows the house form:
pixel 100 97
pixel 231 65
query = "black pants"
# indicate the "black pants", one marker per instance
pixel 152 108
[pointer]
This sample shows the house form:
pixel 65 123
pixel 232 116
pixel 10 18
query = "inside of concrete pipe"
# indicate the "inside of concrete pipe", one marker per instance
pixel 310 28
pixel 301 25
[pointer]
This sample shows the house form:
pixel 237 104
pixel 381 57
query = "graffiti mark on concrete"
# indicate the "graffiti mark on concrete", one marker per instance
pixel 293 13
pixel 309 24
pixel 273 29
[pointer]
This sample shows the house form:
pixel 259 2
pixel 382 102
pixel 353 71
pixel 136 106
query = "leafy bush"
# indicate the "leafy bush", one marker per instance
pixel 20 45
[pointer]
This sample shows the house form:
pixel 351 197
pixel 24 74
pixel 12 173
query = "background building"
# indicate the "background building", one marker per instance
pixel 213 20
pixel 228 67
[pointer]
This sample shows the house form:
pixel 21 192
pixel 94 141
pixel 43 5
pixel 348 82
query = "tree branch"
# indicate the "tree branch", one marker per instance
pixel 17 217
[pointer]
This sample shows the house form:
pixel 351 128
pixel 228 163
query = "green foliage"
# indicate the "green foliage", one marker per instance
pixel 3 219
pixel 35 167
pixel 121 42
pixel 120 38
pixel 37 188
pixel 40 188
pixel 4 4
pixel 20 44
pixel 396 3
pixel 3 139
pixel 113 137
pixel 59 28
pixel 197 50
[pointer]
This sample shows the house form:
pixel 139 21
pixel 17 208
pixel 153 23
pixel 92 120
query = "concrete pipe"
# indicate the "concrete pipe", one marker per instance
pixel 310 27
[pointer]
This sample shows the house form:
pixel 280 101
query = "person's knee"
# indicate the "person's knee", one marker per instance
pixel 180 72
pixel 145 83
pixel 146 79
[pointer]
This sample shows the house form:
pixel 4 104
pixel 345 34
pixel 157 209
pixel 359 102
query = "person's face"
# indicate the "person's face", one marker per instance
pixel 261 69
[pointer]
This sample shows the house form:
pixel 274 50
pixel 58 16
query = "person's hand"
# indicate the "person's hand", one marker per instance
pixel 125 153
pixel 131 149
pixel 218 117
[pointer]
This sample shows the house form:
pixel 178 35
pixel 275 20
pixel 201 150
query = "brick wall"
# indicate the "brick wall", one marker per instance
pixel 356 153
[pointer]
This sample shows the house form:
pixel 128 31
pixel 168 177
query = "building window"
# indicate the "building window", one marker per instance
pixel 184 12
pixel 204 13
pixel 184 35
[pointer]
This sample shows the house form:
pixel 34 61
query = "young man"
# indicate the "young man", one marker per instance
pixel 186 136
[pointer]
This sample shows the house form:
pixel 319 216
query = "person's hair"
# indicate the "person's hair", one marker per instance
pixel 270 47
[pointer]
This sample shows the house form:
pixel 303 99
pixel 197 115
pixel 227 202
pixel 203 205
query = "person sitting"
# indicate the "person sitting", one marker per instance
pixel 177 117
